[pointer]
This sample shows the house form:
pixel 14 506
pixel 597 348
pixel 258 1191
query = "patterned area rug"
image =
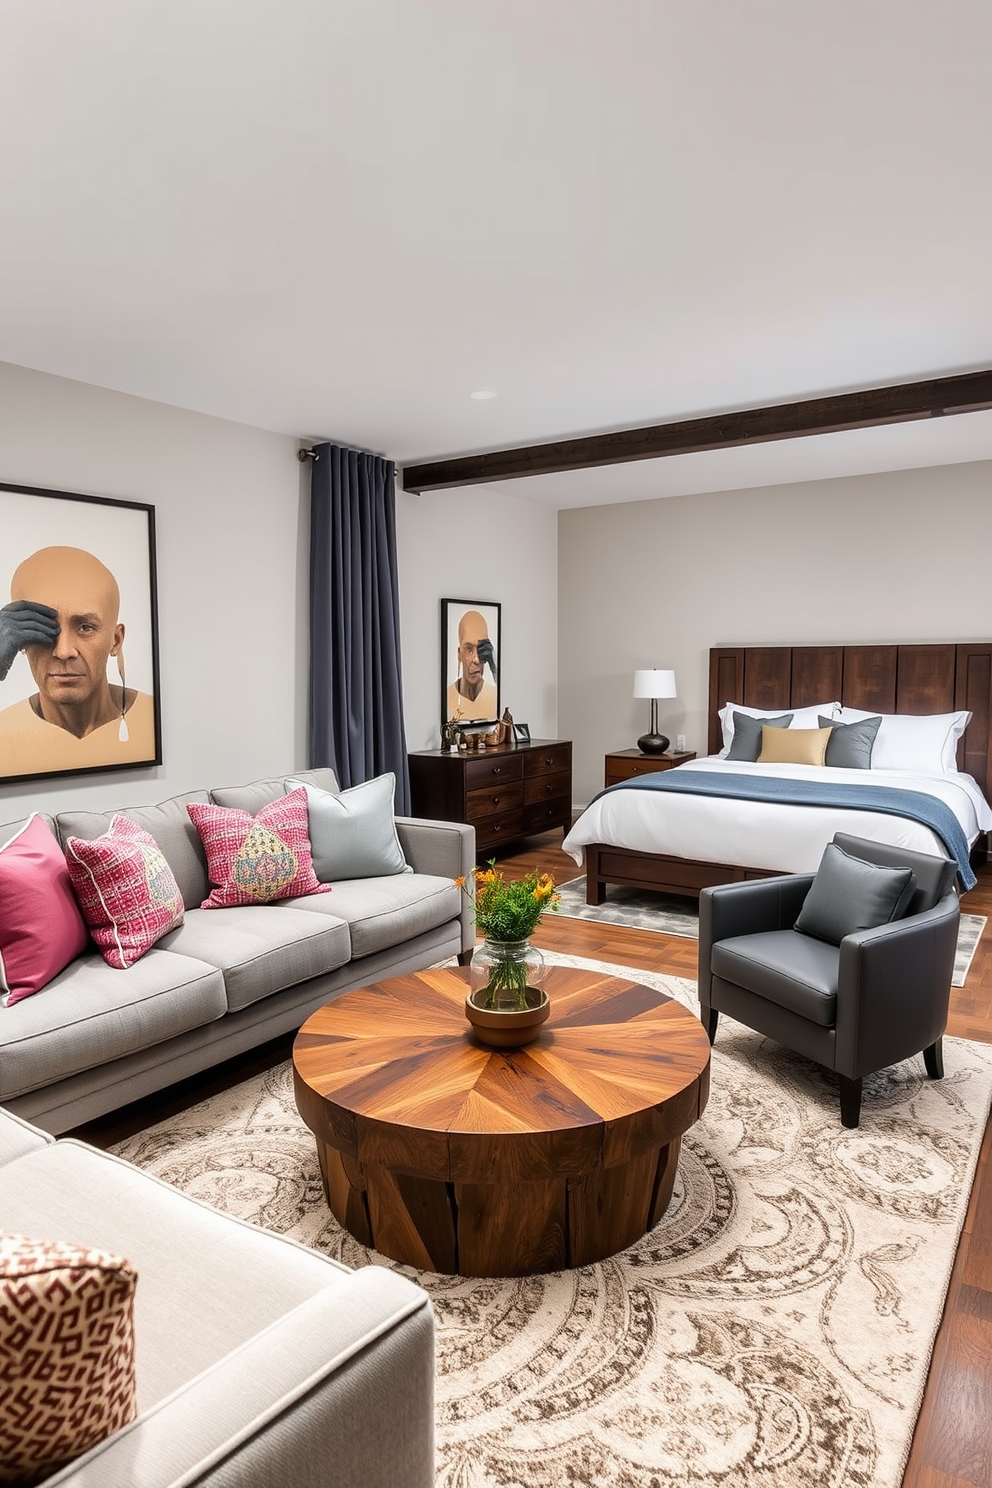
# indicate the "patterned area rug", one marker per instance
pixel 774 1329
pixel 673 914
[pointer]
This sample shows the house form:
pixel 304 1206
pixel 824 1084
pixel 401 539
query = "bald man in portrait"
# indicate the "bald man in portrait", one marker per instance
pixel 471 696
pixel 64 615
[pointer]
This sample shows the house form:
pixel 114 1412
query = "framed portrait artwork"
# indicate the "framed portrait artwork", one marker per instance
pixel 470 651
pixel 79 687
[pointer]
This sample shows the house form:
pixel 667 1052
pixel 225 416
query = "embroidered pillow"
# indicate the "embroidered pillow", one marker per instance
pixel 127 891
pixel 67 1322
pixel 256 859
pixel 41 928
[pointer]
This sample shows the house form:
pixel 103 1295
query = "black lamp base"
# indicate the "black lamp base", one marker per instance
pixel 653 743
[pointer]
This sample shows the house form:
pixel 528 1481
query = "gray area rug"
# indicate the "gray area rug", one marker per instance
pixel 772 1331
pixel 673 914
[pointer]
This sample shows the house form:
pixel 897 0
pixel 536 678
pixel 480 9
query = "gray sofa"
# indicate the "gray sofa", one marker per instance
pixel 225 980
pixel 258 1361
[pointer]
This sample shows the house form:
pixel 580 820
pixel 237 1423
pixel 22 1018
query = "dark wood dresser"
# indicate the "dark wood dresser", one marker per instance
pixel 504 793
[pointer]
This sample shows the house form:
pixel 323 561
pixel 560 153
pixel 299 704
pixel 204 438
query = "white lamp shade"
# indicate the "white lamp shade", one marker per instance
pixel 654 682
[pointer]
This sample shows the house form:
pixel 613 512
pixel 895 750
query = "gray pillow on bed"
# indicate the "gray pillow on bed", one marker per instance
pixel 850 744
pixel 849 894
pixel 746 743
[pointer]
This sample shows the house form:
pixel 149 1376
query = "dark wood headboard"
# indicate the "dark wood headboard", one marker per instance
pixel 938 678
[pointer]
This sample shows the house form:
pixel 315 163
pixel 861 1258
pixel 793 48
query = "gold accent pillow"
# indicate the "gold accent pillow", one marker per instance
pixel 784 746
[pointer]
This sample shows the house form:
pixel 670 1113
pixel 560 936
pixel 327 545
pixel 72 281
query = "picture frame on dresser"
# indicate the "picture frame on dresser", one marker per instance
pixel 79 660
pixel 471 640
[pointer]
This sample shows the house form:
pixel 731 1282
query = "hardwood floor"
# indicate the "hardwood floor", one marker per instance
pixel 952 1446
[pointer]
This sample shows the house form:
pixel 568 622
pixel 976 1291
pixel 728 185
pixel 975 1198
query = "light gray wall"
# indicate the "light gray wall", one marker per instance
pixel 478 543
pixel 903 556
pixel 232 575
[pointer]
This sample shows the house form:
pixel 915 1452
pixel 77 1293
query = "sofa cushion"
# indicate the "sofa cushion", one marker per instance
pixel 257 859
pixel 252 798
pixel 353 832
pixel 89 1015
pixel 792 970
pixel 172 829
pixel 207 1282
pixel 67 1316
pixel 126 889
pixel 18 1136
pixel 383 912
pixel 41 928
pixel 262 948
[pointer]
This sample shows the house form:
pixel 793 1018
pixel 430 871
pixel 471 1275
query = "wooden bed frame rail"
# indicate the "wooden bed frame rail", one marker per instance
pixel 940 677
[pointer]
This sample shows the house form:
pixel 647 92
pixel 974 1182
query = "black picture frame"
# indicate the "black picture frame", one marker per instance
pixel 457 621
pixel 97 552
pixel 521 733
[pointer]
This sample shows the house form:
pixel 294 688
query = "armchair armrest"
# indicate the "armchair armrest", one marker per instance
pixel 339 1391
pixel 894 988
pixel 446 849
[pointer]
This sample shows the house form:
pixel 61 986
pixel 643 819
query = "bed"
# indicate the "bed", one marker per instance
pixel 675 841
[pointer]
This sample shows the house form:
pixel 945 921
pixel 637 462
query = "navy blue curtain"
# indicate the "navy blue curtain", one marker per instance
pixel 356 687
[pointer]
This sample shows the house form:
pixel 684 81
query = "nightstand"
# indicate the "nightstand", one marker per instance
pixel 622 764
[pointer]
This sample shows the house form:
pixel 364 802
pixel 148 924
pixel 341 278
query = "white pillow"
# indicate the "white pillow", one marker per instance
pixel 926 742
pixel 802 718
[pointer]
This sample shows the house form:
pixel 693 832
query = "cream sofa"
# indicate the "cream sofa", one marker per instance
pixel 258 1362
pixel 227 979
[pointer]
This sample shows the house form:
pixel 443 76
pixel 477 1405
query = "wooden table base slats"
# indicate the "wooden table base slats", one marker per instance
pixel 466 1160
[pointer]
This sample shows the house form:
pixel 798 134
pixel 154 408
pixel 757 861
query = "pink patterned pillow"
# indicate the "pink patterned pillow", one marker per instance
pixel 127 891
pixel 255 859
pixel 41 929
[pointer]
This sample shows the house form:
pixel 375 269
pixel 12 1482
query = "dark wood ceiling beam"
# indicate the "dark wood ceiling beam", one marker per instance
pixel 966 393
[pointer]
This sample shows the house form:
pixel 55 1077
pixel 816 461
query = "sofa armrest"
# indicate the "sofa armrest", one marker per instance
pixel 894 988
pixel 746 908
pixel 446 849
pixel 339 1391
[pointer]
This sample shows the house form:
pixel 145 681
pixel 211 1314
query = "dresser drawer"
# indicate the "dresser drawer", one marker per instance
pixel 493 829
pixel 548 814
pixel 493 800
pixel 548 760
pixel 480 772
pixel 544 787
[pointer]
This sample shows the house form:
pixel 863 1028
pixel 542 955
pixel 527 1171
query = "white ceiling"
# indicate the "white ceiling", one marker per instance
pixel 338 218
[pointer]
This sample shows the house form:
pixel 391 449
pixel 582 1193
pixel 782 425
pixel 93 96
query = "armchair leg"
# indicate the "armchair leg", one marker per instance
pixel 465 957
pixel 710 1018
pixel 933 1058
pixel 850 1100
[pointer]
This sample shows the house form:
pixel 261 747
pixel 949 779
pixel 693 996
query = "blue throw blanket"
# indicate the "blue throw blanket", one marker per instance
pixel 912 804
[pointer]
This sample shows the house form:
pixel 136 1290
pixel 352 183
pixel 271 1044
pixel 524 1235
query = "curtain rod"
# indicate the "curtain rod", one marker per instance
pixel 303 455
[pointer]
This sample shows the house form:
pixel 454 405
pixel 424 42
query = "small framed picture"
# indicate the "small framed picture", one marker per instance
pixel 521 733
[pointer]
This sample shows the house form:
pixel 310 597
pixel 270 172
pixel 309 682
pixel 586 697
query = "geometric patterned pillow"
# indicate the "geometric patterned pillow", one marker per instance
pixel 66 1353
pixel 125 889
pixel 257 859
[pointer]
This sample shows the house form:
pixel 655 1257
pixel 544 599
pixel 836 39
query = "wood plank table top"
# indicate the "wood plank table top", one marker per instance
pixel 454 1157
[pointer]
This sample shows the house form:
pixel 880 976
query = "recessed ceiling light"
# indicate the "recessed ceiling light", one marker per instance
pixel 483 393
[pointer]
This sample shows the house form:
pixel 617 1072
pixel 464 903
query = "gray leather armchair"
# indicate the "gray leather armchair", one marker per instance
pixel 878 997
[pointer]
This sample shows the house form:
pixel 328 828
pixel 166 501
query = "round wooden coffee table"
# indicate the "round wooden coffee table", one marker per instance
pixel 452 1157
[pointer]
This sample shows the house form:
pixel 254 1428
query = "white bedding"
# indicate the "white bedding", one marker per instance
pixel 764 834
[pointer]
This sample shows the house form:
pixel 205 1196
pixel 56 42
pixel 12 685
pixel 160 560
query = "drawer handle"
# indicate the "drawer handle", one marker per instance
pixel 548 789
pixel 497 769
pixel 495 800
pixel 549 759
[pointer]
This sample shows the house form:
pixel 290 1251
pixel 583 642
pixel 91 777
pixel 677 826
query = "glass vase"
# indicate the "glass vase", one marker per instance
pixel 507 976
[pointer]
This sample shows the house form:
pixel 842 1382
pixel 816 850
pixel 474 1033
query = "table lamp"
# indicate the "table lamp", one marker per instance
pixel 654 683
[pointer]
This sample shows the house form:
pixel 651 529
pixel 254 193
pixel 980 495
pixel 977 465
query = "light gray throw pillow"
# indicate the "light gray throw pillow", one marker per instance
pixel 746 743
pixel 850 744
pixel 849 894
pixel 353 835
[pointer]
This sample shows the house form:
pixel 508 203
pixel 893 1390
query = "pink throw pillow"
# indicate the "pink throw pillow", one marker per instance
pixel 127 890
pixel 41 929
pixel 256 859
